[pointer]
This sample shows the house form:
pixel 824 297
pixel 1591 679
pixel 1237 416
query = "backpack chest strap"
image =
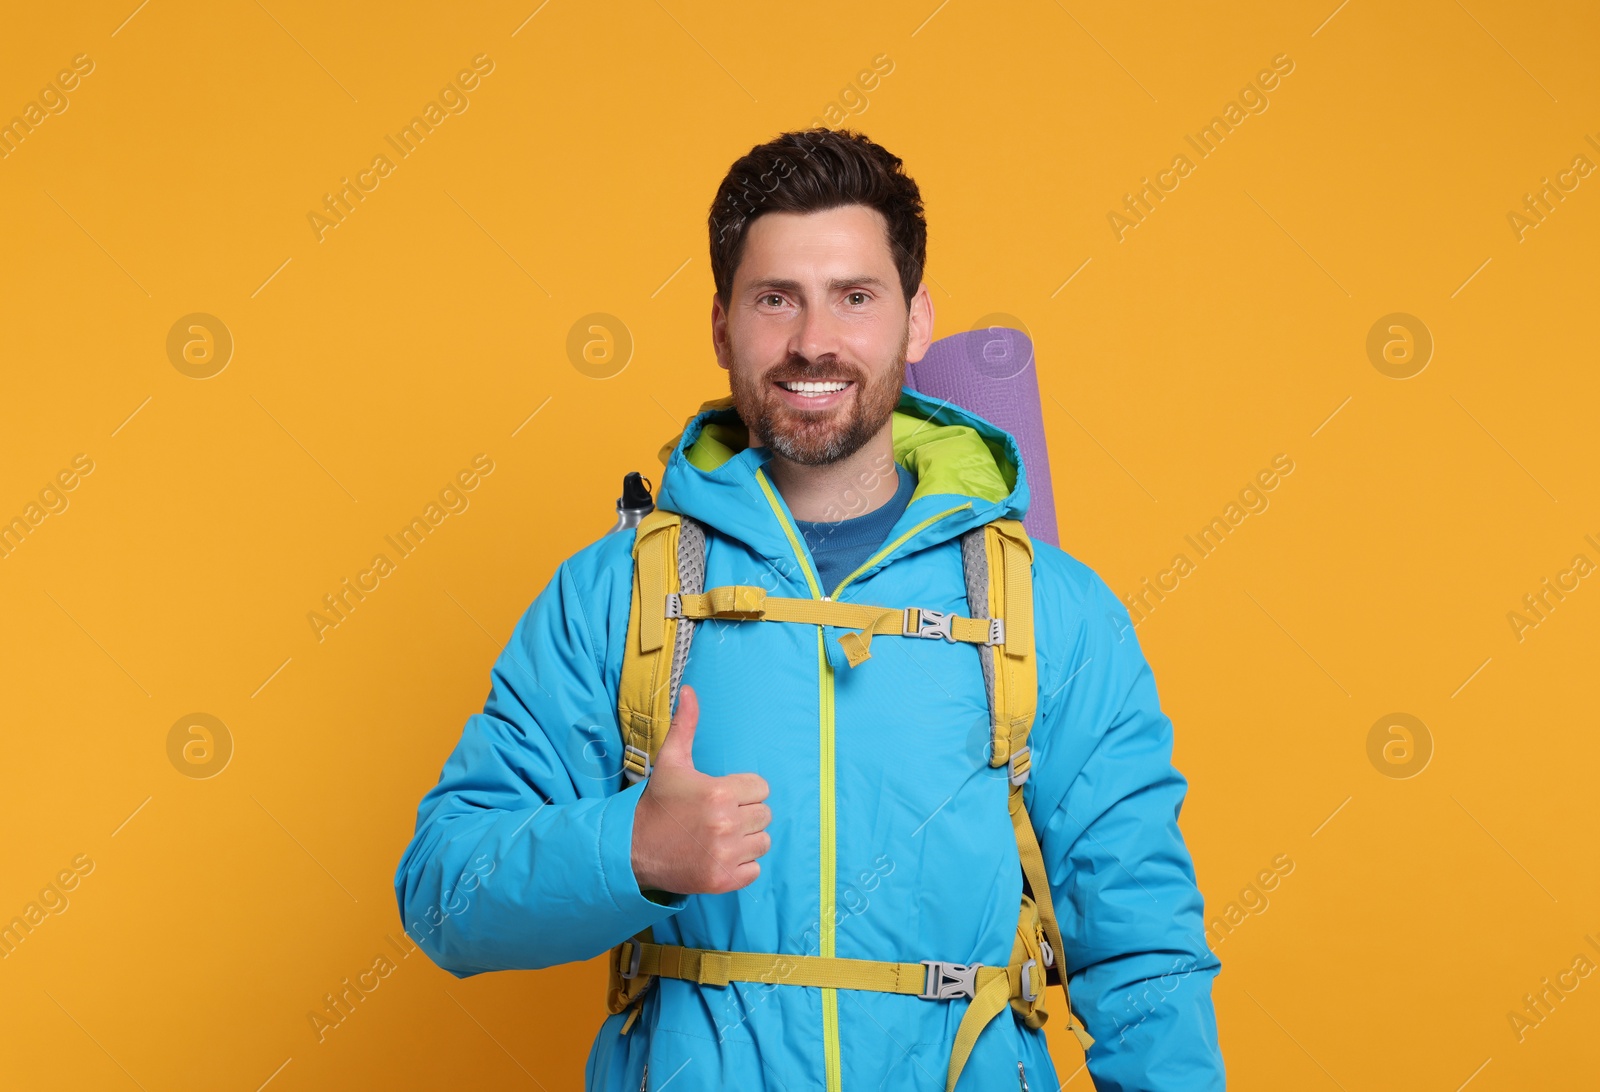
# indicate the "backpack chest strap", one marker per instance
pixel 988 990
pixel 716 968
pixel 743 602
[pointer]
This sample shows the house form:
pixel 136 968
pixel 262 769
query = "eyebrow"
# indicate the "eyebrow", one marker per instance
pixel 834 285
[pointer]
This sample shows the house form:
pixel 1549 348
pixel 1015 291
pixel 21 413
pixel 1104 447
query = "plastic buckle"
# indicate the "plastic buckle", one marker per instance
pixel 674 605
pixel 633 964
pixel 644 763
pixel 930 623
pixel 997 632
pixel 949 980
pixel 1049 952
pixel 1017 777
pixel 1028 994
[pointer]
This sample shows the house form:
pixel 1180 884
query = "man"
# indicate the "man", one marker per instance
pixel 800 805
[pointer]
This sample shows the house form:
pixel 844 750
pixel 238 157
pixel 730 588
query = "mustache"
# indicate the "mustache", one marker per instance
pixel 814 373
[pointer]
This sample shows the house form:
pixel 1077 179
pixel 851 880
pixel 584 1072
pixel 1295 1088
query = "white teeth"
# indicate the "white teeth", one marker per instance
pixel 814 389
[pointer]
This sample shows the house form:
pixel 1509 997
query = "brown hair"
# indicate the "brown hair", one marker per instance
pixel 810 170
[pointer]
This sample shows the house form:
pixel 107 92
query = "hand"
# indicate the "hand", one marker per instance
pixel 694 834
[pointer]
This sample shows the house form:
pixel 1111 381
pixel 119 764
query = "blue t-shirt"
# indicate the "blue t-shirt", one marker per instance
pixel 839 547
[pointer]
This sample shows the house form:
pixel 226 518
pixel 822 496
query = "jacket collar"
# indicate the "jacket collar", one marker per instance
pixel 959 459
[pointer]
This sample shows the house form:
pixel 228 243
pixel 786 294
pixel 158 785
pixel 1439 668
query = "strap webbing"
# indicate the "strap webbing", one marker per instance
pixel 990 1001
pixel 1016 689
pixel 1039 884
pixel 744 602
pixel 1016 694
pixel 644 705
pixel 714 968
pixel 994 987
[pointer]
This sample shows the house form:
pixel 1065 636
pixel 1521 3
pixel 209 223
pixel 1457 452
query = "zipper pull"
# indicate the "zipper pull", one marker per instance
pixel 644 1081
pixel 1022 1078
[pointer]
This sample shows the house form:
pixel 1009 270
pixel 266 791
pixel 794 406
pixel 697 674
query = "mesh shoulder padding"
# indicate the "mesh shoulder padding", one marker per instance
pixel 691 581
pixel 975 564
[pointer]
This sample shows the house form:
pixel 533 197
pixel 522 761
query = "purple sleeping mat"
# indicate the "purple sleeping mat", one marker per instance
pixel 990 372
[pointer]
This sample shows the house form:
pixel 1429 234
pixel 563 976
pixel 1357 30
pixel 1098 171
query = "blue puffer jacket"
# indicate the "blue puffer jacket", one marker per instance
pixel 890 834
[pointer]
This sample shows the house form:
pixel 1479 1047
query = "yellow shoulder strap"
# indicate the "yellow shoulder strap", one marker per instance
pixel 1009 553
pixel 644 697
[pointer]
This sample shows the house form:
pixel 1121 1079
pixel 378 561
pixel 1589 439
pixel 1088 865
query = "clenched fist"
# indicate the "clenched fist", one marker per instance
pixel 695 834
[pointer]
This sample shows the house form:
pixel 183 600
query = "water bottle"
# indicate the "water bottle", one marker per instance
pixel 635 502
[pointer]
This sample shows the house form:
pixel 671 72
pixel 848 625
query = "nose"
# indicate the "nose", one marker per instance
pixel 816 336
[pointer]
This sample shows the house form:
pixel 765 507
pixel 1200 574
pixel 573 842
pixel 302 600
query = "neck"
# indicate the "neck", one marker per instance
pixel 842 490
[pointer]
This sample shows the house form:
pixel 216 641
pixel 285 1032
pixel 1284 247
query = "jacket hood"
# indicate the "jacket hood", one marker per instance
pixel 968 472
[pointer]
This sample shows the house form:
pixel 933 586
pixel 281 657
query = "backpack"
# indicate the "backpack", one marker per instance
pixel 669 596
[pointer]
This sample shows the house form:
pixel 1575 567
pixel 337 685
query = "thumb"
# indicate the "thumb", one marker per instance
pixel 677 749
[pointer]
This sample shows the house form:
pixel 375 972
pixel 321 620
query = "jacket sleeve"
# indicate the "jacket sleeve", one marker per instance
pixel 522 856
pixel 1106 809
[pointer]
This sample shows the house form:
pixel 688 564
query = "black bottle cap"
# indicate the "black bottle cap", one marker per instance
pixel 635 492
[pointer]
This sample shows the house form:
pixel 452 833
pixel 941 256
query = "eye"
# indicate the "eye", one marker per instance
pixel 853 295
pixel 770 297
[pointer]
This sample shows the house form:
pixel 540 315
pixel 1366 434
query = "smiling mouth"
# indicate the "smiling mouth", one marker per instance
pixel 810 388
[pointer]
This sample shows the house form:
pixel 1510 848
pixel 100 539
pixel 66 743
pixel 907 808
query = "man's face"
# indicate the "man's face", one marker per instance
pixel 817 299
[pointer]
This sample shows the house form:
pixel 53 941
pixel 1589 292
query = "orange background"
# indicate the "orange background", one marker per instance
pixel 431 326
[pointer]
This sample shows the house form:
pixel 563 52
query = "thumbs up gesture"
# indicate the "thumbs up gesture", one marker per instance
pixel 694 833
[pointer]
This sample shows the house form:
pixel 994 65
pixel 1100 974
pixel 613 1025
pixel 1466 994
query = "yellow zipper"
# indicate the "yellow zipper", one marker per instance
pixel 827 834
pixel 828 847
pixel 789 531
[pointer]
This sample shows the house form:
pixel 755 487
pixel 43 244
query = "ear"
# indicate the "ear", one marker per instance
pixel 719 332
pixel 919 334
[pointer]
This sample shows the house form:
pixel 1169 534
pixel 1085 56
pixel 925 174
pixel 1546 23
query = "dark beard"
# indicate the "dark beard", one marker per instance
pixel 819 442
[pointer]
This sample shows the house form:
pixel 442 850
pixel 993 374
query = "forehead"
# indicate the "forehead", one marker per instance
pixel 852 235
